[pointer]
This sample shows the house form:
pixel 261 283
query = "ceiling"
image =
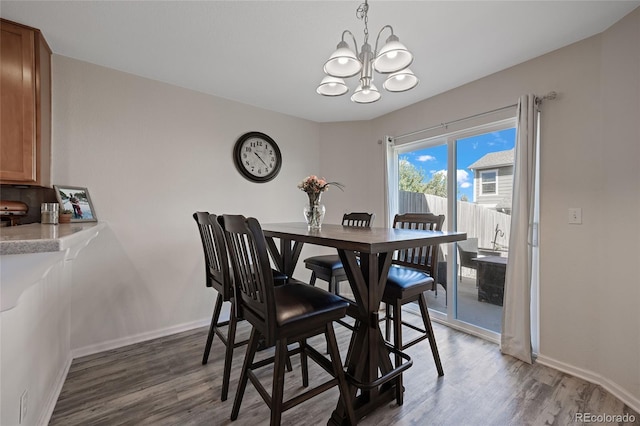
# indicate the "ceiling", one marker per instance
pixel 270 53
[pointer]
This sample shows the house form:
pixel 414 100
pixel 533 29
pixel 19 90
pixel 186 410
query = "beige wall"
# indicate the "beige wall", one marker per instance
pixel 590 158
pixel 618 287
pixel 151 154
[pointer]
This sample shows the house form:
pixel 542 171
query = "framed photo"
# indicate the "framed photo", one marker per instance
pixel 76 199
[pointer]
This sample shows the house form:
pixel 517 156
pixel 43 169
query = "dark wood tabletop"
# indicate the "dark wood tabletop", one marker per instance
pixel 362 239
pixel 366 255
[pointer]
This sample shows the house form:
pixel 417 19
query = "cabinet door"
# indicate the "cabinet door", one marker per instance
pixel 18 108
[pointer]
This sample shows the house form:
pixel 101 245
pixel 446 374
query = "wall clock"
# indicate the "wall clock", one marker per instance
pixel 257 157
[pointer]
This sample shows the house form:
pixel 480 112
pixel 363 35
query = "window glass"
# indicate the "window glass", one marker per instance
pixel 466 175
pixel 489 182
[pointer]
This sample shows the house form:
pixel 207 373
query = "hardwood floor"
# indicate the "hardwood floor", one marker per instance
pixel 162 382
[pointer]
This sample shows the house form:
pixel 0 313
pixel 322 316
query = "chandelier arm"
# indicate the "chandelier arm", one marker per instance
pixel 375 51
pixel 355 44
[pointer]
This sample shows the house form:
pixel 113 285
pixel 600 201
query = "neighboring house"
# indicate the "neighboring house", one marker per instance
pixel 493 180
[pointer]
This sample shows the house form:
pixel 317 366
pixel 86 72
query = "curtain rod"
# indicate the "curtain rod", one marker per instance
pixel 548 96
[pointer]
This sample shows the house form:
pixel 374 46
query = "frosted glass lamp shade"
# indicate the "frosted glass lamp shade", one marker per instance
pixel 393 56
pixel 401 81
pixel 366 95
pixel 332 86
pixel 343 62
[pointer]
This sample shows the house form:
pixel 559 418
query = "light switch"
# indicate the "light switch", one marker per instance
pixel 575 215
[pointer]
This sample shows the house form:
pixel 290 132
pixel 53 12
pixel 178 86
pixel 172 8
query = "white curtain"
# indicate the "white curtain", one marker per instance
pixel 516 312
pixel 391 182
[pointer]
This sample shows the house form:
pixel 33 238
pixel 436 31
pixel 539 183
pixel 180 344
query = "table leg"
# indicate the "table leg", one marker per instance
pixel 367 280
pixel 287 256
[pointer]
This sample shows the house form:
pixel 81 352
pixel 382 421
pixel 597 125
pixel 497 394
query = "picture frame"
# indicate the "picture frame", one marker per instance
pixel 76 199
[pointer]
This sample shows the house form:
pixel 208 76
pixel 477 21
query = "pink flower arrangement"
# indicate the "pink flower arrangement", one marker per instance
pixel 314 186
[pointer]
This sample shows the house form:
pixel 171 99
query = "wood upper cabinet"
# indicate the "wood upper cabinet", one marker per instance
pixel 25 108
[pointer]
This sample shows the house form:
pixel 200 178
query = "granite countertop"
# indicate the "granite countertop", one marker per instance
pixel 39 238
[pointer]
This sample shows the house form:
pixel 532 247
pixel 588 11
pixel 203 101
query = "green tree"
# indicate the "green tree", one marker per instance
pixel 411 178
pixel 437 185
pixel 464 197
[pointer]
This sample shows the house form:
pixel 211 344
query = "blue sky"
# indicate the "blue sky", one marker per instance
pixel 434 160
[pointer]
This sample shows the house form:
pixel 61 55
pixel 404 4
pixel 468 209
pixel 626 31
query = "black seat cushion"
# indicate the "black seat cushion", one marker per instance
pixel 330 261
pixel 403 283
pixel 298 302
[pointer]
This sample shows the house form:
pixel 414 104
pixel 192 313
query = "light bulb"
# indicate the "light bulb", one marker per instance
pixel 331 86
pixel 393 57
pixel 366 95
pixel 343 61
pixel 401 81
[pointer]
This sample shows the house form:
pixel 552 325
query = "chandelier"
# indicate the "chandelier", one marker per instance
pixel 393 59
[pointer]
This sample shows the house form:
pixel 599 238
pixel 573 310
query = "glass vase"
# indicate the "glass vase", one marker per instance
pixel 314 213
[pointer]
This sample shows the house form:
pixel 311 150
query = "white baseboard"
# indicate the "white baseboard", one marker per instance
pixel 611 387
pixel 47 409
pixel 137 338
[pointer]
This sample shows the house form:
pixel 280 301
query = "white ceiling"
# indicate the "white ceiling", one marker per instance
pixel 270 53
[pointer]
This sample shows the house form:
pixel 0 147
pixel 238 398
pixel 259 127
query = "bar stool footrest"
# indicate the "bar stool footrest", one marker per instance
pixel 399 369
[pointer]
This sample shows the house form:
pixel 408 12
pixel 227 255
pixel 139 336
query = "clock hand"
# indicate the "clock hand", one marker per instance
pixel 260 158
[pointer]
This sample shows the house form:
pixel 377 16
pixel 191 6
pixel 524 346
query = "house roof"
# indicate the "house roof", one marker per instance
pixel 494 159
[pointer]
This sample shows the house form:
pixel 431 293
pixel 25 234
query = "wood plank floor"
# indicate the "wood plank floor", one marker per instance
pixel 162 382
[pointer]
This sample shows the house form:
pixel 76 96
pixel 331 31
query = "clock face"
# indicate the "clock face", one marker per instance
pixel 257 157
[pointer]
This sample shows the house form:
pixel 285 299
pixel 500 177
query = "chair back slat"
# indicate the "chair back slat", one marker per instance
pixel 253 277
pixel 216 260
pixel 419 257
pixel 362 220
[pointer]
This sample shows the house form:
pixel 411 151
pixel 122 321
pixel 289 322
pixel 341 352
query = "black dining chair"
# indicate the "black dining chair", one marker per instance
pixel 283 314
pixel 218 277
pixel 467 251
pixel 329 267
pixel 413 271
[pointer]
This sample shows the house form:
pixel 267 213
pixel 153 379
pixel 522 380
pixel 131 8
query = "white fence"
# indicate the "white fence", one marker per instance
pixel 475 220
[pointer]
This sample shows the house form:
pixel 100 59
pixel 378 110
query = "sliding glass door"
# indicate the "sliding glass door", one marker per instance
pixel 466 175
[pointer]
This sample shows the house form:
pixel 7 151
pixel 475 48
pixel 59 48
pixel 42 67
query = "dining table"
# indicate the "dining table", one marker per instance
pixel 366 255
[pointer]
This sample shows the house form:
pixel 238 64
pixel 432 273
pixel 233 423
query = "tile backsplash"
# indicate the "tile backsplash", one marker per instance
pixel 32 196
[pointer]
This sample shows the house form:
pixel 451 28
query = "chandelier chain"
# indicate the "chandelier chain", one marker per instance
pixel 361 13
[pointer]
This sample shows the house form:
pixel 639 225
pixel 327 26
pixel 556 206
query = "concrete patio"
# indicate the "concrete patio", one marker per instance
pixel 481 314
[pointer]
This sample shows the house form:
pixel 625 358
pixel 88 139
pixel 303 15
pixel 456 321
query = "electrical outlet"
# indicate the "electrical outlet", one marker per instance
pixel 575 215
pixel 24 398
